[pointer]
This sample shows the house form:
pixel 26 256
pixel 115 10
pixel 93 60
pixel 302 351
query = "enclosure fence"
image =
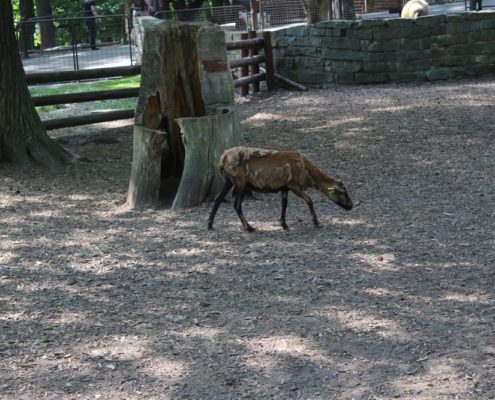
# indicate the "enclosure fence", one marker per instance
pixel 62 44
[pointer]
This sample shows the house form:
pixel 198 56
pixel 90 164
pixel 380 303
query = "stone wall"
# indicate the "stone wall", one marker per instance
pixel 392 50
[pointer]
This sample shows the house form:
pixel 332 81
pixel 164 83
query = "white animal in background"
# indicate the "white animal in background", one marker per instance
pixel 414 9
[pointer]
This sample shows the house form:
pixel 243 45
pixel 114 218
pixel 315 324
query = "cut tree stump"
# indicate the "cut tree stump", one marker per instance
pixel 185 75
pixel 205 139
pixel 144 185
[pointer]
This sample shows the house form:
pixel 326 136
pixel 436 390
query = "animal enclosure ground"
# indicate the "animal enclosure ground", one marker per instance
pixel 394 299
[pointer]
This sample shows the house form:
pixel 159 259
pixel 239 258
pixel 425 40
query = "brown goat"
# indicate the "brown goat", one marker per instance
pixel 270 171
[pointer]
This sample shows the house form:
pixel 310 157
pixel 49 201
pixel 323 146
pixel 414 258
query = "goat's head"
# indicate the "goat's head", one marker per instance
pixel 338 194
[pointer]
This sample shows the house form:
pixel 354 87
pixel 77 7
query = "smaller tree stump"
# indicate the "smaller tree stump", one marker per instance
pixel 144 184
pixel 205 139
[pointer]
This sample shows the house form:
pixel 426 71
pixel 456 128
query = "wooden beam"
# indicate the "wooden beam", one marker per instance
pixel 240 62
pixel 94 118
pixel 268 54
pixel 249 79
pixel 85 96
pixel 97 73
pixel 244 44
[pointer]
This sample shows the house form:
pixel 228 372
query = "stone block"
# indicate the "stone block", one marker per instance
pixel 342 55
pixel 341 43
pixel 438 74
pixel 370 23
pixel 452 39
pixel 346 66
pixel 414 66
pixel 483 35
pixel 462 27
pixel 402 77
pixel 430 20
pixel 417 55
pixel 452 61
pixel 381 57
pixel 370 77
pixel 480 16
pixel 361 33
pixel 379 67
pixel 382 46
pixel 486 24
pixel 344 78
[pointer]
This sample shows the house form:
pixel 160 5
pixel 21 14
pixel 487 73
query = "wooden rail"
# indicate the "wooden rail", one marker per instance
pixel 79 75
pixel 85 96
pixel 249 64
pixel 82 74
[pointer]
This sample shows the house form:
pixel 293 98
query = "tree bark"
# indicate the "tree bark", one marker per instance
pixel 23 139
pixel 26 10
pixel 144 185
pixel 47 28
pixel 184 74
pixel 205 139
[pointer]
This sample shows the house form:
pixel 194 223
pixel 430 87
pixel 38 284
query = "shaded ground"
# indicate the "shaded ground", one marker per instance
pixel 394 299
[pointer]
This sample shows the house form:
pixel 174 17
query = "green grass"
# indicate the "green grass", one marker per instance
pixel 106 84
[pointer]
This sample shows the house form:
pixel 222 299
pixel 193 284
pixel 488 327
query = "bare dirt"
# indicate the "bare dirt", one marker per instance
pixel 394 299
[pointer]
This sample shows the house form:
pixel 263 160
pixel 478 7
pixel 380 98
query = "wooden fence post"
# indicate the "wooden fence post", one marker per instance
pixel 255 68
pixel 270 70
pixel 244 69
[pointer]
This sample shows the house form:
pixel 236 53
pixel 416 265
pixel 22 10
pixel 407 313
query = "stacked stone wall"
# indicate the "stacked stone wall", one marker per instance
pixel 390 50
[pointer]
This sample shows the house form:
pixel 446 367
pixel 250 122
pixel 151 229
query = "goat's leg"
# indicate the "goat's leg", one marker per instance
pixel 309 202
pixel 218 200
pixel 238 208
pixel 285 196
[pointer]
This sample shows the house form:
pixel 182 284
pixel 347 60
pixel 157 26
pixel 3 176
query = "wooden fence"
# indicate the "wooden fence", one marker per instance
pixel 249 63
pixel 250 77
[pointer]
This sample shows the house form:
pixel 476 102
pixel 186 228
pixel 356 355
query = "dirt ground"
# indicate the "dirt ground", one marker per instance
pixel 394 299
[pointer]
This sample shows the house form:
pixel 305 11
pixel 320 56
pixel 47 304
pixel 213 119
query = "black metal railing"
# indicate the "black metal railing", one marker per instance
pixel 62 44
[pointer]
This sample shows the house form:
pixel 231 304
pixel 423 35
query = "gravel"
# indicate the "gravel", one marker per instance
pixel 393 299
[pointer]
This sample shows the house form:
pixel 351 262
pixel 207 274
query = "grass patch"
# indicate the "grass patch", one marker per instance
pixel 80 87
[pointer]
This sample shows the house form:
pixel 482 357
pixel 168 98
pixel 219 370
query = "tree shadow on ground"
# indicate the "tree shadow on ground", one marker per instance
pixel 394 299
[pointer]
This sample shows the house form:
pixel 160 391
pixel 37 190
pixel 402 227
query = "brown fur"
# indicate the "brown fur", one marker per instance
pixel 268 170
pixel 262 170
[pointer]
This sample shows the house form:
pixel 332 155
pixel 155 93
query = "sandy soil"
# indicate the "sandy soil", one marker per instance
pixel 394 299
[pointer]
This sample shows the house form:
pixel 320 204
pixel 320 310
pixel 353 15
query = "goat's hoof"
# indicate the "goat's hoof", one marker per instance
pixel 210 227
pixel 317 225
pixel 285 227
pixel 249 228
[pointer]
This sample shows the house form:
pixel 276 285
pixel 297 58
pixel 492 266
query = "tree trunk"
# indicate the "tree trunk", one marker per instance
pixel 205 139
pixel 144 185
pixel 349 11
pixel 47 28
pixel 26 10
pixel 23 139
pixel 184 74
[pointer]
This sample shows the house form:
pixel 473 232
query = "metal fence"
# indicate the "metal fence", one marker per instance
pixel 61 44
pixel 269 13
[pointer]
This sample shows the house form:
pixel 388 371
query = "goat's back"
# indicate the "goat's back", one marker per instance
pixel 265 170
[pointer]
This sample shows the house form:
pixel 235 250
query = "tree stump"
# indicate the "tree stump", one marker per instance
pixel 185 74
pixel 205 139
pixel 144 185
